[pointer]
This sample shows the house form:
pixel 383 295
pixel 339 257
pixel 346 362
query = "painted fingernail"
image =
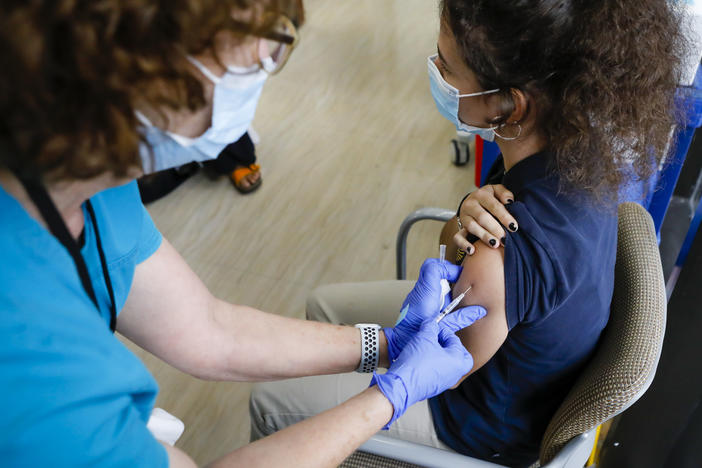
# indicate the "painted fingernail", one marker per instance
pixel 471 250
pixel 493 242
pixel 512 227
pixel 503 240
pixel 509 200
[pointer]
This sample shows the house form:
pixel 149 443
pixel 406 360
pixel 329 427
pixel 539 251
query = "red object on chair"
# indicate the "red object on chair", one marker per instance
pixel 478 159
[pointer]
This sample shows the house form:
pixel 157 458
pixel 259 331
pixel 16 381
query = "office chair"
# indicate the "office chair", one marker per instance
pixel 620 371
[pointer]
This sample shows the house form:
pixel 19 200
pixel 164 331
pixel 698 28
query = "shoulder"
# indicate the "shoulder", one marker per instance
pixel 561 245
pixel 125 225
pixel 120 203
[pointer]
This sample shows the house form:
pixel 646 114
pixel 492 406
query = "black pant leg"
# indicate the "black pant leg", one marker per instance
pixel 240 153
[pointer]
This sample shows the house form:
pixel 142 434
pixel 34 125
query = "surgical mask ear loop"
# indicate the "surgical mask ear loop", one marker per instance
pixel 519 133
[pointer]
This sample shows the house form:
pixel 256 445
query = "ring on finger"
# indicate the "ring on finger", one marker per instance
pixel 460 225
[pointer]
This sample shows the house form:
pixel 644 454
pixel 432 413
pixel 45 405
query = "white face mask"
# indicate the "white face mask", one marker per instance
pixel 234 102
pixel 446 98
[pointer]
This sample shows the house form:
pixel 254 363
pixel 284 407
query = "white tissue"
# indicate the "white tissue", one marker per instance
pixel 164 426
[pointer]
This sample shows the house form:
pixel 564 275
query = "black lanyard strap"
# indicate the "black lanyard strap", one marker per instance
pixel 103 263
pixel 57 226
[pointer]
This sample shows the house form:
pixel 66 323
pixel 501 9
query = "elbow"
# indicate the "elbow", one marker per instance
pixel 219 356
pixel 208 352
pixel 202 364
pixel 217 367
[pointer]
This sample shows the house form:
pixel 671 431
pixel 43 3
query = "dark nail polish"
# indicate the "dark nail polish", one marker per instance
pixel 503 240
pixel 493 242
pixel 509 200
pixel 512 227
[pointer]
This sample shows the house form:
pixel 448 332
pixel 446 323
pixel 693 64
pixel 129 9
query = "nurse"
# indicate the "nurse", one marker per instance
pixel 85 84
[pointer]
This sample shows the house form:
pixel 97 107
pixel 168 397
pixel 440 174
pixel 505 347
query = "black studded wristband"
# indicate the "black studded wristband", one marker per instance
pixel 370 347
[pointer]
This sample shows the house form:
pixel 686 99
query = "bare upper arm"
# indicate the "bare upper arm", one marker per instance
pixel 166 311
pixel 484 270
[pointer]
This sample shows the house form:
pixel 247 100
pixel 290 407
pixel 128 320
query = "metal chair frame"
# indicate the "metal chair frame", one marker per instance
pixel 437 214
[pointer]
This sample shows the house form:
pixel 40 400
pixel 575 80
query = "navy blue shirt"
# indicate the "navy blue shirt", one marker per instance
pixel 559 277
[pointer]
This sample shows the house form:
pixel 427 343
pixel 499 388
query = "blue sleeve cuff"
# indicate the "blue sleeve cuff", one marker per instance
pixel 392 351
pixel 394 390
pixel 150 239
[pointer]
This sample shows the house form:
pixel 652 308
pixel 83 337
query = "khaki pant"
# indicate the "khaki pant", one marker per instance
pixel 276 405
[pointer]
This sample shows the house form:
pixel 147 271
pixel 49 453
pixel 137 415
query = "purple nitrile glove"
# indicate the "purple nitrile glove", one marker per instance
pixel 431 362
pixel 423 302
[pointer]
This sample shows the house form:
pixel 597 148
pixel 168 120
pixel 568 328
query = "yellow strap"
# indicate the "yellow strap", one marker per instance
pixel 242 172
pixel 594 455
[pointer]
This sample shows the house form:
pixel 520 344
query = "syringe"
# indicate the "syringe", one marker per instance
pixel 445 286
pixel 454 303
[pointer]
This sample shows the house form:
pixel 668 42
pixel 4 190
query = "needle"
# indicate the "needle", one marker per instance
pixel 454 303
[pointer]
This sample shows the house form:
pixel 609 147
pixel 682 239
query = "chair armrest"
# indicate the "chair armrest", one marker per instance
pixel 575 453
pixel 437 214
pixel 418 454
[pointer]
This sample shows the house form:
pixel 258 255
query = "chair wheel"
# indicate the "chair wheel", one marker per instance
pixel 459 152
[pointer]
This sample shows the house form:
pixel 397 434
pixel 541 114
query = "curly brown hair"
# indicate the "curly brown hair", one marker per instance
pixel 603 74
pixel 74 69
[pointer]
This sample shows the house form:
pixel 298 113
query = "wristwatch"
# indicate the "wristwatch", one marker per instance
pixel 370 347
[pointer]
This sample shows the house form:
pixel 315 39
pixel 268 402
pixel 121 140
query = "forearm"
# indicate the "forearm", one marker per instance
pixel 258 346
pixel 170 313
pixel 321 441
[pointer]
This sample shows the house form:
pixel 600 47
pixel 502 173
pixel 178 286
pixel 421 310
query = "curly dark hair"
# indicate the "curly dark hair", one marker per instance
pixel 74 69
pixel 602 72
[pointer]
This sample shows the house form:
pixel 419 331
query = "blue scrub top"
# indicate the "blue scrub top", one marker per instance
pixel 559 279
pixel 72 394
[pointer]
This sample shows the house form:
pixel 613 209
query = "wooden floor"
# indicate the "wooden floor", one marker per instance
pixel 351 142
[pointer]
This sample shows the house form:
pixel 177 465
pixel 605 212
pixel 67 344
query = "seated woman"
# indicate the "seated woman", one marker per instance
pixel 547 294
pixel 578 97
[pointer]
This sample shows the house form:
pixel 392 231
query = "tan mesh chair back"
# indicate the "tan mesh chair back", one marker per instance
pixel 625 362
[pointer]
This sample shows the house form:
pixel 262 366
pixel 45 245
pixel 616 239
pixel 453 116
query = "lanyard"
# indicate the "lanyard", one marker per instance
pixel 57 226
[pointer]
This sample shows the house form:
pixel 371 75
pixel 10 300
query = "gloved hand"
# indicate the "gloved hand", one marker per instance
pixel 433 361
pixel 424 301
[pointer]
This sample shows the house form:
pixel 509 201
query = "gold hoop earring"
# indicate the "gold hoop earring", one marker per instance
pixel 519 133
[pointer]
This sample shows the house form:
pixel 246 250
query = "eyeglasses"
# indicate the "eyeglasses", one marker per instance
pixel 274 50
pixel 271 52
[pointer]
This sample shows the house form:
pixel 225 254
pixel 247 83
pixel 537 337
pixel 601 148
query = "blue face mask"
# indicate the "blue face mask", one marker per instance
pixel 446 98
pixel 235 98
